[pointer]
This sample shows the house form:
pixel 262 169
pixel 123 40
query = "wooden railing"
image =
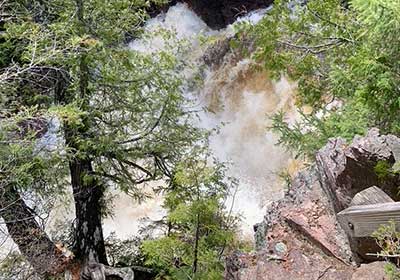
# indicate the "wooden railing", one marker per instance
pixel 369 210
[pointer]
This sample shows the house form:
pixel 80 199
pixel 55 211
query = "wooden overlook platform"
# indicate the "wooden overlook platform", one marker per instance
pixel 368 210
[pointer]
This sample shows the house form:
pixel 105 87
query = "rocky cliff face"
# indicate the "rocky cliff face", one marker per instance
pixel 218 13
pixel 347 170
pixel 300 237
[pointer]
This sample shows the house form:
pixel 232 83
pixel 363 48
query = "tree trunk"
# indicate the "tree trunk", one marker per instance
pixel 30 238
pixel 196 245
pixel 88 193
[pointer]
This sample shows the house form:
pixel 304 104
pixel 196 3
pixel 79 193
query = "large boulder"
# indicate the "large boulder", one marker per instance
pixel 299 239
pixel 348 169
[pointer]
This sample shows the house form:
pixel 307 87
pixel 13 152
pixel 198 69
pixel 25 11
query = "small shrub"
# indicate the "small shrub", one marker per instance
pixel 383 170
pixel 388 239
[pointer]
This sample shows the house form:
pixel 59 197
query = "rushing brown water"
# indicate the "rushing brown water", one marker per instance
pixel 242 98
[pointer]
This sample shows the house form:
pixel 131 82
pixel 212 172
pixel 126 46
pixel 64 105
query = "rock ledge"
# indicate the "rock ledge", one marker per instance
pixel 300 237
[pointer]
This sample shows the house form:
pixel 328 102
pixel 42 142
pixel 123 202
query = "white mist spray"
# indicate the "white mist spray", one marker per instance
pixel 242 99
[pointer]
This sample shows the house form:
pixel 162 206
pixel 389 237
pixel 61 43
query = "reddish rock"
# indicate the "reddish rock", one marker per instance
pixel 301 261
pixel 304 226
pixel 346 170
pixel 321 229
pixel 371 271
pixel 313 217
pixel 300 237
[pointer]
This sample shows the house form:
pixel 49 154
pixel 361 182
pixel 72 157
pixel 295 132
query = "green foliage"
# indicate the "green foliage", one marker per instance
pixel 121 109
pixel 122 113
pixel 200 230
pixel 287 179
pixel 305 137
pixel 14 266
pixel 383 169
pixel 125 253
pixel 387 238
pixel 336 51
pixel 392 271
pixel 24 163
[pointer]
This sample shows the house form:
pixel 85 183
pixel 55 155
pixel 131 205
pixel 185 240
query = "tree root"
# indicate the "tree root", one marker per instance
pixel 98 271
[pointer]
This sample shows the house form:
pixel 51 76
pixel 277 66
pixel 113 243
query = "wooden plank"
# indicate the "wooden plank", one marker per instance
pixel 372 195
pixel 363 220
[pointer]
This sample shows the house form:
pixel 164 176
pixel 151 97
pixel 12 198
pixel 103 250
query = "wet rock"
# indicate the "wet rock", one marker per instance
pixel 219 13
pixel 215 54
pixel 216 14
pixel 218 51
pixel 155 9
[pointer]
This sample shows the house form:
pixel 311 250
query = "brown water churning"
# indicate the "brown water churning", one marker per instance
pixel 240 95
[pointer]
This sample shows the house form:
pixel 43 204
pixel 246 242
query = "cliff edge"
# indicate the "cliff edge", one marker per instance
pixel 300 236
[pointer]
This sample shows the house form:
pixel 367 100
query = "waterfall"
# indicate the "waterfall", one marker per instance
pixel 236 95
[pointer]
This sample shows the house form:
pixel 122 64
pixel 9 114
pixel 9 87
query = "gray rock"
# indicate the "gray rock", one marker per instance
pixel 348 169
pixel 281 248
pixel 260 231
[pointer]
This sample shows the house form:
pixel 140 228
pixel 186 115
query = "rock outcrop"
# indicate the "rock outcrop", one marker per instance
pixel 371 271
pixel 217 14
pixel 300 237
pixel 348 169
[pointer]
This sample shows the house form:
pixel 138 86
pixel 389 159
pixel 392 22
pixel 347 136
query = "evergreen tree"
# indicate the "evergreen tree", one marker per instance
pixel 199 228
pixel 342 52
pixel 122 115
